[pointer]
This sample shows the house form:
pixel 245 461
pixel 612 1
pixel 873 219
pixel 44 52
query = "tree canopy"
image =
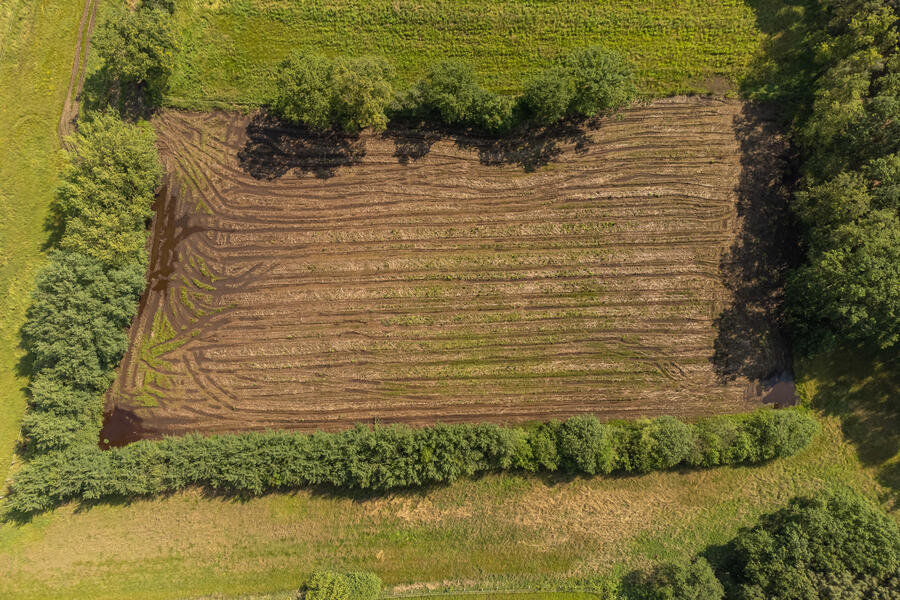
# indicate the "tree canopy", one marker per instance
pixel 138 46
pixel 836 545
pixel 350 94
pixel 108 189
pixel 75 327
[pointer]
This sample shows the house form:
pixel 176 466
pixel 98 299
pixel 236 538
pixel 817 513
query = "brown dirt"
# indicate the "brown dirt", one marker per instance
pixel 301 281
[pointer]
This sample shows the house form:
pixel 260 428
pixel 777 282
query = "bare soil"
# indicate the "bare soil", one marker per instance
pixel 303 281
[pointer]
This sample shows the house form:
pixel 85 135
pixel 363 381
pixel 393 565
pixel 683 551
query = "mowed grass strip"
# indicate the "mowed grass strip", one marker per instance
pixel 231 47
pixel 37 43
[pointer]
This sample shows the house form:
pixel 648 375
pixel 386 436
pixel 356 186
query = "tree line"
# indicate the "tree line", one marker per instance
pixel 392 457
pixel 350 94
pixel 841 77
pixel 86 296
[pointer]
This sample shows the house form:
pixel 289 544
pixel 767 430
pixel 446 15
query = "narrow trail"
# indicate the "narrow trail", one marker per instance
pixel 79 67
pixel 302 282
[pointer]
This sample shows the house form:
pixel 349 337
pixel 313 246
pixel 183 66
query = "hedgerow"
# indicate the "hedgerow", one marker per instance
pixel 397 456
pixel 353 94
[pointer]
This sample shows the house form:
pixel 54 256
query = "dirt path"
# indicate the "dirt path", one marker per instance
pixel 79 66
pixel 305 282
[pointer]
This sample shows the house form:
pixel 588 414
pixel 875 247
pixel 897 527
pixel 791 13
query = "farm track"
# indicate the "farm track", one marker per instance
pixel 304 282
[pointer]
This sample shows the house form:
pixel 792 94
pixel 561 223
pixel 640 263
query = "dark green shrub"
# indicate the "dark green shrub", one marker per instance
pixel 779 433
pixel 166 5
pixel 671 442
pixel 322 93
pixel 694 581
pixel 451 92
pixel 304 90
pixel 602 80
pixel 46 432
pixel 75 327
pixel 138 47
pixel 362 92
pixel 816 547
pixel 548 95
pixel 585 446
pixel 718 441
pixel 884 175
pixel 49 394
pixel 544 450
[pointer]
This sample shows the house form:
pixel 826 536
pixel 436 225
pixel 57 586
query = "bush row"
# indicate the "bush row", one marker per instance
pixel 86 296
pixel 845 79
pixel 385 458
pixel 351 94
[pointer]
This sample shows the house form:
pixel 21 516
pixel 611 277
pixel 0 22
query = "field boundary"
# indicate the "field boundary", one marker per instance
pixel 79 70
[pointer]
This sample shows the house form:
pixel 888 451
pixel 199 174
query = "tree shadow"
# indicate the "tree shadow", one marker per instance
pixel 411 144
pixel 274 147
pixel 527 146
pixel 751 339
pixel 133 102
pixel 861 386
pixel 120 428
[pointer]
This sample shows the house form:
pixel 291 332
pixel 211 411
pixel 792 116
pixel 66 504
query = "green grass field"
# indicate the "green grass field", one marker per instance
pixel 37 41
pixel 230 47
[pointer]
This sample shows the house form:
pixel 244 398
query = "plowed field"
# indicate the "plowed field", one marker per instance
pixel 301 281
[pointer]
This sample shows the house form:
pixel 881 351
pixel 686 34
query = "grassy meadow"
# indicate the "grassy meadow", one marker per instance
pixel 230 47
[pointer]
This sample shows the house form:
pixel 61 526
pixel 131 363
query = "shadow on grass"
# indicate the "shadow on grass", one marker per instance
pixel 133 102
pixel 785 67
pixel 862 388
